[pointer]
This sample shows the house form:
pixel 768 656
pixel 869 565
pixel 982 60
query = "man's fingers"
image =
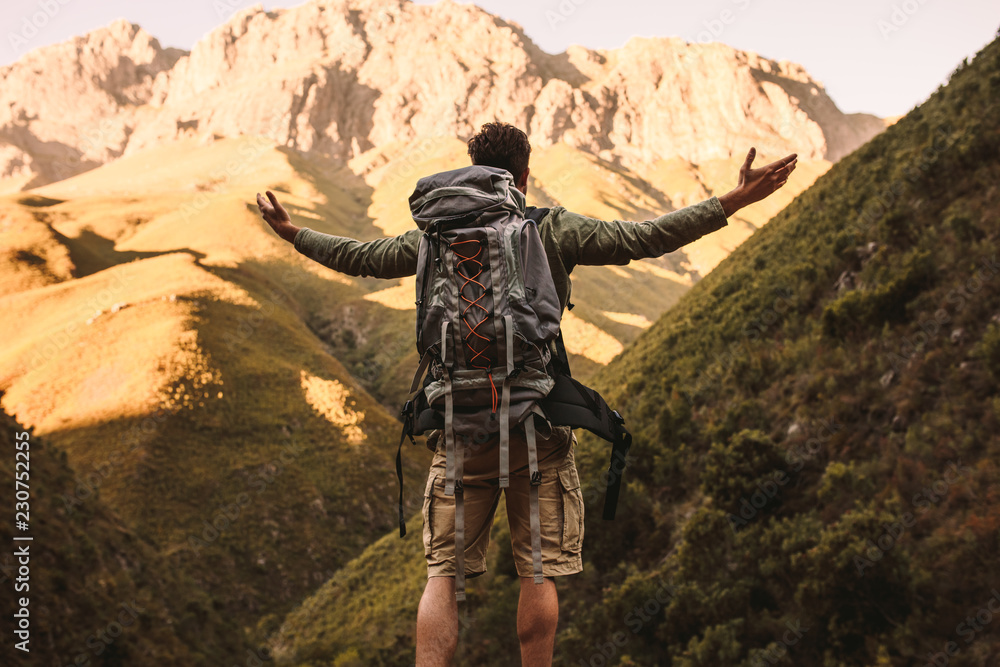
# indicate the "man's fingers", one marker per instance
pixel 262 203
pixel 274 200
pixel 788 159
pixel 784 171
pixel 281 212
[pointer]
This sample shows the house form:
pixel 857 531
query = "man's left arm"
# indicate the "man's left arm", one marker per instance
pixel 586 240
pixel 590 241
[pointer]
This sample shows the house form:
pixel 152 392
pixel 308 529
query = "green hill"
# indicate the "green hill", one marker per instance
pixel 95 588
pixel 817 425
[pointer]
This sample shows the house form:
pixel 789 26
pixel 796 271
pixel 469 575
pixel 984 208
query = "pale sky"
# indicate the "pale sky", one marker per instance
pixel 877 56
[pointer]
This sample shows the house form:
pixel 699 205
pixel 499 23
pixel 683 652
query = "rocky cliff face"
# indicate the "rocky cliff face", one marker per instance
pixel 339 77
pixel 72 106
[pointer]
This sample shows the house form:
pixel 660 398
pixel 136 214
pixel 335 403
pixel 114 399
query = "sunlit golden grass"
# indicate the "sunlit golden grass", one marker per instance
pixel 31 254
pixel 395 178
pixel 174 360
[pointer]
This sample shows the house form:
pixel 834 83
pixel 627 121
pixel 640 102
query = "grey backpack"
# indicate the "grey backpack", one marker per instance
pixel 488 334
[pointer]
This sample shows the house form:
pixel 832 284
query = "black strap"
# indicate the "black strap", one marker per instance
pixel 535 214
pixel 561 357
pixel 407 415
pixel 570 403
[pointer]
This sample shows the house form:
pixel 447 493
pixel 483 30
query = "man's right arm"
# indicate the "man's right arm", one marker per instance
pixel 390 257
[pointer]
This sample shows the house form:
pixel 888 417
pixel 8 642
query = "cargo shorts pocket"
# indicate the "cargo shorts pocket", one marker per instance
pixel 427 513
pixel 572 500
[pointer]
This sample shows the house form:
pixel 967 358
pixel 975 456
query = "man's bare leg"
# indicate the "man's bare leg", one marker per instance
pixel 537 617
pixel 437 623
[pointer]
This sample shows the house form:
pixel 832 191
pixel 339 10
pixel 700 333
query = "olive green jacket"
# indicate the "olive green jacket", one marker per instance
pixel 570 240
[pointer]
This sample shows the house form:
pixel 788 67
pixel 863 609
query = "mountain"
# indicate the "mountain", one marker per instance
pixel 228 405
pixel 813 478
pixel 329 81
pixel 337 79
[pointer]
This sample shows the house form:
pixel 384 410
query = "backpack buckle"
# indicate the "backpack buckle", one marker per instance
pixel 407 410
pixel 536 478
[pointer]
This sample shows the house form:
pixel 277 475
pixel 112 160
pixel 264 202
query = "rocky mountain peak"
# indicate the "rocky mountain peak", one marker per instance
pixel 340 77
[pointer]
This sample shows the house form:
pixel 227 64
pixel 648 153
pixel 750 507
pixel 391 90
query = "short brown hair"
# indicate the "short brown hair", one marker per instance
pixel 501 145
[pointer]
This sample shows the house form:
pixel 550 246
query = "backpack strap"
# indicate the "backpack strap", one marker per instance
pixel 572 404
pixel 407 414
pixel 459 527
pixel 536 480
pixel 449 415
pixel 454 468
pixel 504 481
pixel 535 214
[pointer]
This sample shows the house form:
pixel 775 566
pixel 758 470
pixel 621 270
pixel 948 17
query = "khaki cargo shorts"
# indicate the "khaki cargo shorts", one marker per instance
pixel 560 503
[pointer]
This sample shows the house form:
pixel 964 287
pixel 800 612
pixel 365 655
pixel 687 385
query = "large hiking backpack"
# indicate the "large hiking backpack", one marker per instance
pixel 489 340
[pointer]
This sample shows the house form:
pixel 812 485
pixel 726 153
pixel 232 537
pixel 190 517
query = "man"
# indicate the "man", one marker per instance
pixel 570 240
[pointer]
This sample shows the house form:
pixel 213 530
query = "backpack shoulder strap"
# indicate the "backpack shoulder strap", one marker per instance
pixel 570 403
pixel 535 214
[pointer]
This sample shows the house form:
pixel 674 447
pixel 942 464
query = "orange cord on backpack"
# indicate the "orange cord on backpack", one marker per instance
pixel 476 354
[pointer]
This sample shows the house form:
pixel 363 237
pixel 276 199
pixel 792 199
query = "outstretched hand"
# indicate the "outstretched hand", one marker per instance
pixel 756 184
pixel 759 183
pixel 276 216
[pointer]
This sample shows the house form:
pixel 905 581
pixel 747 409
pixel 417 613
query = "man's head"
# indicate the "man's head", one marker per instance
pixel 503 146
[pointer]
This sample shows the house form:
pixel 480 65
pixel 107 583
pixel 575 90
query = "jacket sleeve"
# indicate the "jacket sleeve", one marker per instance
pixel 584 240
pixel 390 257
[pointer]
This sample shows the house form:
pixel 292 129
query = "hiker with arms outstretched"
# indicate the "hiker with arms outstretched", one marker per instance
pixel 542 492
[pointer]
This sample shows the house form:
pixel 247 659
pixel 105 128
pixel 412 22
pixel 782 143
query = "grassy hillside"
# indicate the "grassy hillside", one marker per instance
pixel 168 353
pixel 85 563
pixel 813 479
pixel 832 382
